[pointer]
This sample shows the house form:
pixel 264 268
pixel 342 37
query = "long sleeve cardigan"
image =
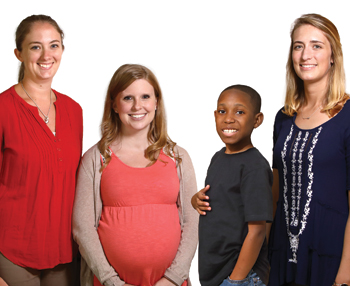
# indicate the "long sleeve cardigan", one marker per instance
pixel 87 212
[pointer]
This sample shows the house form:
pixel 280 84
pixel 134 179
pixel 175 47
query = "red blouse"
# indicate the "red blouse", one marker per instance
pixel 37 180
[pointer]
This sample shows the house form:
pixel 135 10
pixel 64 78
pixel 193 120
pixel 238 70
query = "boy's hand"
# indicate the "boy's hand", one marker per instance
pixel 198 202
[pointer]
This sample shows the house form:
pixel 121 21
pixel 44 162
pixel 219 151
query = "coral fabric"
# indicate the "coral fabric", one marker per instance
pixel 139 227
pixel 37 181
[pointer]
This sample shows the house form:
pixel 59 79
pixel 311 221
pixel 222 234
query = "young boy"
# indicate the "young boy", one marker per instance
pixel 232 245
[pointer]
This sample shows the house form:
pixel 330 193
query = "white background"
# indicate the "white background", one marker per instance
pixel 195 48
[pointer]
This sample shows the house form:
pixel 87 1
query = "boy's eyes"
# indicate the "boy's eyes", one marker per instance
pixel 221 111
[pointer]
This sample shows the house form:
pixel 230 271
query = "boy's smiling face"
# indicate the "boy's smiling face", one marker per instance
pixel 235 119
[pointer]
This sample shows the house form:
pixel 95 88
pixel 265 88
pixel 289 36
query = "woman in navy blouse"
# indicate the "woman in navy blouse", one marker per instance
pixel 310 237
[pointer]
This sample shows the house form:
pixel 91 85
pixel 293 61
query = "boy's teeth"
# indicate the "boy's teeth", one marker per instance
pixel 230 130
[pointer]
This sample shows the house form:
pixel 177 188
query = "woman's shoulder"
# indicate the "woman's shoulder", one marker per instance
pixel 67 100
pixel 6 94
pixel 181 151
pixel 7 101
pixel 281 117
pixel 92 152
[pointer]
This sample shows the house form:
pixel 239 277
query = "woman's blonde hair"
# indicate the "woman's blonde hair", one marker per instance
pixel 295 96
pixel 111 123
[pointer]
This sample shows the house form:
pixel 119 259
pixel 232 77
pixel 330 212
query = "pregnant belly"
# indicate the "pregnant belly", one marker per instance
pixel 140 242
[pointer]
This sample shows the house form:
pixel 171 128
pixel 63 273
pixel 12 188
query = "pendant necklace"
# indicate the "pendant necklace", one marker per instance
pixel 46 117
pixel 311 114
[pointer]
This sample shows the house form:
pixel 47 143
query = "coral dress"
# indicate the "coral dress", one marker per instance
pixel 139 227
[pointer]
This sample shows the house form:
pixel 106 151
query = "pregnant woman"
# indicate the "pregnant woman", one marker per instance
pixel 132 215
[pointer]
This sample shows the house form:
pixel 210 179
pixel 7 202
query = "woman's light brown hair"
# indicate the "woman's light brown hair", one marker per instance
pixel 23 30
pixel 111 123
pixel 335 95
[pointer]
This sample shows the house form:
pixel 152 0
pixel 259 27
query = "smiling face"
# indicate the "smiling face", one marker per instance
pixel 136 107
pixel 41 52
pixel 235 120
pixel 312 55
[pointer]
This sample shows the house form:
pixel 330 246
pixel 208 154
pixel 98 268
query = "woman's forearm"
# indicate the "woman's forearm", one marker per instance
pixel 179 269
pixel 343 275
pixel 84 229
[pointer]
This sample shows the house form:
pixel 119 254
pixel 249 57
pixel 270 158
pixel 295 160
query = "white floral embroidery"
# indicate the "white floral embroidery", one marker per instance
pixel 294 210
pixel 293 206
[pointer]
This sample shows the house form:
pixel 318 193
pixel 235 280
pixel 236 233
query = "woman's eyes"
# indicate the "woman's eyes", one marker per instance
pixel 130 97
pixel 299 47
pixel 37 47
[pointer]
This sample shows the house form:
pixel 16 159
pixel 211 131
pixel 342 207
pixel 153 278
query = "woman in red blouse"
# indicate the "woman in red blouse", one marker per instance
pixel 41 144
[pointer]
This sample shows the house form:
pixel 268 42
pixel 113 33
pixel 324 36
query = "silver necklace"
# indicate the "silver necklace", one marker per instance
pixel 46 117
pixel 318 108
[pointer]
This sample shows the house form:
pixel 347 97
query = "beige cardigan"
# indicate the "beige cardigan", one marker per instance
pixel 87 212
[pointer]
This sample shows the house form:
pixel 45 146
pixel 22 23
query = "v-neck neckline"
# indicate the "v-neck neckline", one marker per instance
pixel 35 112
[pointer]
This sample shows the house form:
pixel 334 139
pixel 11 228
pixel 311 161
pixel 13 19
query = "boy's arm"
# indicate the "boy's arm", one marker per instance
pixel 199 202
pixel 250 250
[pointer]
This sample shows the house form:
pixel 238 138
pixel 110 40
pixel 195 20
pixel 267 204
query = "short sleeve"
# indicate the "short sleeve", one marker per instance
pixel 2 142
pixel 256 194
pixel 3 121
pixel 347 154
pixel 276 129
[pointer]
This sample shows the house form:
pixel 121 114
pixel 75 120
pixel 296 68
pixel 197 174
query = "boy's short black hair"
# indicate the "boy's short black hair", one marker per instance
pixel 254 95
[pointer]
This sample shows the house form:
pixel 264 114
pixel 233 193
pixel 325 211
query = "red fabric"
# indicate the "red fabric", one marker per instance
pixel 37 181
pixel 139 227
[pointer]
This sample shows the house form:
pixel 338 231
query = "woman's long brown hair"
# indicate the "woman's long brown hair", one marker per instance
pixel 111 124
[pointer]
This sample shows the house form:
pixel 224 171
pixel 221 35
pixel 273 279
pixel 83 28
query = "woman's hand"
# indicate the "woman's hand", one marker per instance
pixel 198 202
pixel 164 282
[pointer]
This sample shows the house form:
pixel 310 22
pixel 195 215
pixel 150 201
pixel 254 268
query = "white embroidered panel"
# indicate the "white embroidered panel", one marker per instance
pixel 292 211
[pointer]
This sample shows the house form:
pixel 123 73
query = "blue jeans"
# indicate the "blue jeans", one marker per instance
pixel 251 280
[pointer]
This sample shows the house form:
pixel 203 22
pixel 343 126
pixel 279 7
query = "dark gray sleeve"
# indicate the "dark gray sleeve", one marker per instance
pixel 256 194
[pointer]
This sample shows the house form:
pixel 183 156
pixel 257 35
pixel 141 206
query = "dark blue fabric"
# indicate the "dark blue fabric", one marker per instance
pixel 315 163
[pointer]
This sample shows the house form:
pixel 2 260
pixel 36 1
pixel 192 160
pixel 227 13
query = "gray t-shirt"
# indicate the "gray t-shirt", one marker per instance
pixel 240 192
